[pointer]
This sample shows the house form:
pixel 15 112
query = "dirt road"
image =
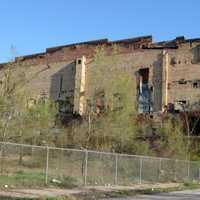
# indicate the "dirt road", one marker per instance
pixel 181 195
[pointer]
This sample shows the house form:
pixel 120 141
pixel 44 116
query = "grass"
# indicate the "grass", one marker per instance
pixel 31 176
pixel 22 179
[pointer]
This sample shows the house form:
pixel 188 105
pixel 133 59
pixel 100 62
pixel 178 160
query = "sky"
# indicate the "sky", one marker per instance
pixel 31 26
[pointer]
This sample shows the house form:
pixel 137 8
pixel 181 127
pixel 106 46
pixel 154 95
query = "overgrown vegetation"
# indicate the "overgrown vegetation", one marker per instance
pixel 111 123
pixel 22 118
pixel 33 179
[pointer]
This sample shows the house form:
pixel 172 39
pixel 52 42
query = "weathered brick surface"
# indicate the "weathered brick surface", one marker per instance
pixel 131 63
pixel 184 69
pixel 46 70
pixel 73 51
pixel 46 80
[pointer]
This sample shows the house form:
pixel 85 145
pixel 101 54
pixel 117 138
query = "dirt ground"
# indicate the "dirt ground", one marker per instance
pixel 55 192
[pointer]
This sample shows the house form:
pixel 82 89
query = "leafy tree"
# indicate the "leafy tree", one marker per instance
pixel 114 127
pixel 19 120
pixel 111 122
pixel 172 142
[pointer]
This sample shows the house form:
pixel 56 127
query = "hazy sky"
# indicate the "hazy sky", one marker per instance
pixel 33 25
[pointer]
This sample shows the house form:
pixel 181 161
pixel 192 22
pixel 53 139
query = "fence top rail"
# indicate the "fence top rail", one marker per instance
pixel 95 152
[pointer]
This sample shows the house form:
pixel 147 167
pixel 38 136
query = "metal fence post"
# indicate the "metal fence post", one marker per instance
pixel 86 167
pixel 175 165
pixel 47 166
pixel 2 157
pixel 199 173
pixel 116 169
pixel 188 170
pixel 141 170
pixel 160 169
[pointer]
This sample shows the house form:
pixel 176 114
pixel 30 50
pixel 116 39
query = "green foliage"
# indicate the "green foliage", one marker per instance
pixel 172 142
pixel 21 178
pixel 115 128
pixel 19 121
pixel 12 99
pixel 39 121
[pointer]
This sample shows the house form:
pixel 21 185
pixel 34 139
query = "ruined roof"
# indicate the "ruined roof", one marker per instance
pixel 144 42
pixel 104 41
pixel 92 42
pixel 147 38
pixel 30 56
pixel 173 43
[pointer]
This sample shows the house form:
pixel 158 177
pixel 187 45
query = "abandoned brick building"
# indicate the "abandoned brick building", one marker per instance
pixel 169 73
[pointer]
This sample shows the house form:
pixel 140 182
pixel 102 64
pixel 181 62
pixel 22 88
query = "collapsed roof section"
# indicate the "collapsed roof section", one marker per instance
pixel 173 44
pixel 144 42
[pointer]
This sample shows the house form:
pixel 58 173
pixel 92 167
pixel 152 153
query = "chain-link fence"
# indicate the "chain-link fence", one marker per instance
pixel 27 165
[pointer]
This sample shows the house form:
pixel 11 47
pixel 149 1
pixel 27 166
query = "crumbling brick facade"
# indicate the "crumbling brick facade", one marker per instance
pixel 169 72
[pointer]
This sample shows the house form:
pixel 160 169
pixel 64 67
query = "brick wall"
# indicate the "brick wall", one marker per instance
pixel 46 79
pixel 46 71
pixel 183 73
pixel 131 63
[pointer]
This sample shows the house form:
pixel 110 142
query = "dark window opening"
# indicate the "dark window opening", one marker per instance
pixel 194 124
pixel 182 81
pixel 144 75
pixel 65 105
pixel 196 84
pixel 170 108
pixel 79 61
pixel 61 85
pixel 100 102
pixel 173 61
pixel 169 86
pixel 182 102
pixel 144 91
